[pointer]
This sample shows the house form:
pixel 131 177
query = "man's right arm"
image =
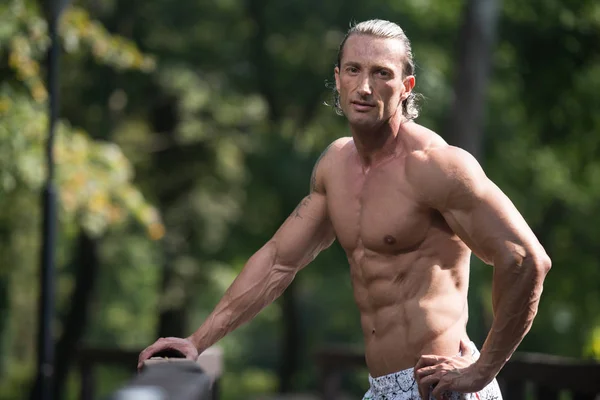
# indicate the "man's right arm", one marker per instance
pixel 266 275
pixel 305 233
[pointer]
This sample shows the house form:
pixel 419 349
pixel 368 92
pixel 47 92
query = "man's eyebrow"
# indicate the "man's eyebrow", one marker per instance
pixel 387 67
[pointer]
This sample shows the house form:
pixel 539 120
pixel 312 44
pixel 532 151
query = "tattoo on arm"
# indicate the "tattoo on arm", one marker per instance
pixel 313 178
pixel 303 203
pixel 313 185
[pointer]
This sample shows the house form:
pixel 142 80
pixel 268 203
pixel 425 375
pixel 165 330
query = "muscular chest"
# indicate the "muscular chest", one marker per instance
pixel 377 210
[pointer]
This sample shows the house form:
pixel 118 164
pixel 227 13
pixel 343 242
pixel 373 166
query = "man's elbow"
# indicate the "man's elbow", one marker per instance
pixel 538 262
pixel 542 262
pixel 527 260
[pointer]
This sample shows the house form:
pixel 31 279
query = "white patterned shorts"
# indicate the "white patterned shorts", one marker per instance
pixel 403 386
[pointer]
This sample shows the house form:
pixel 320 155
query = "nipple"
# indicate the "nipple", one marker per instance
pixel 388 239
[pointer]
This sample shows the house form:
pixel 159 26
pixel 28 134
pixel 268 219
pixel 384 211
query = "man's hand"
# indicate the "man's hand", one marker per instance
pixel 170 344
pixel 456 373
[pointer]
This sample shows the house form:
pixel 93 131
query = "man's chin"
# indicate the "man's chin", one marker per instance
pixel 363 122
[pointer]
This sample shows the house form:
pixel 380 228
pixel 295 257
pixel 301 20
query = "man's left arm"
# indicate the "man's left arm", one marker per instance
pixel 488 222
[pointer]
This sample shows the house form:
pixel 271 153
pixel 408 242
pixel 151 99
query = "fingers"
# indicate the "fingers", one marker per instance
pixel 442 385
pixel 427 365
pixel 425 385
pixel 144 355
pixel 427 373
pixel 426 361
pixel 149 351
pixel 423 372
pixel 181 347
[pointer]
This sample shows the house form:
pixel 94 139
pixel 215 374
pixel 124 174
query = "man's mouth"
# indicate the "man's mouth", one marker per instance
pixel 362 105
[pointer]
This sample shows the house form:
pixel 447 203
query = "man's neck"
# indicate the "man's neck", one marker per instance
pixel 376 145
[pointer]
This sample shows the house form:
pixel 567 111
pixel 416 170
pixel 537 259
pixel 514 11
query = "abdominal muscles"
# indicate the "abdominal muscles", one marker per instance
pixel 410 304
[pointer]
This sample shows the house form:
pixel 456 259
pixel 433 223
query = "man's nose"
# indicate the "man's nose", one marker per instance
pixel 364 86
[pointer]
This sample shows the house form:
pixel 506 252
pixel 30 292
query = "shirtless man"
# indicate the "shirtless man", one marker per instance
pixel 408 209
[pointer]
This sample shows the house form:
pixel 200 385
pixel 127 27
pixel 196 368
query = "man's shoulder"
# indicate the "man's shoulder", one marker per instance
pixel 428 149
pixel 445 157
pixel 326 160
pixel 336 148
pixel 341 144
pixel 438 169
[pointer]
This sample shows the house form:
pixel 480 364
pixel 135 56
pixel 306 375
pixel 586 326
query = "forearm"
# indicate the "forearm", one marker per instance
pixel 261 282
pixel 516 294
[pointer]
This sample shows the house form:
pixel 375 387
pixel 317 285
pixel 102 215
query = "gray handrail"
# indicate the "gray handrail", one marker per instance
pixel 165 380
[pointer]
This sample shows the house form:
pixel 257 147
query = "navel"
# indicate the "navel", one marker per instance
pixel 388 239
pixel 400 277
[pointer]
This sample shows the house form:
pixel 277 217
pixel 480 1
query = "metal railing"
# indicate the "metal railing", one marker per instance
pixel 525 376
pixel 161 378
pixel 167 380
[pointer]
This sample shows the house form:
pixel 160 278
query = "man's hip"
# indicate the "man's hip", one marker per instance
pixel 403 386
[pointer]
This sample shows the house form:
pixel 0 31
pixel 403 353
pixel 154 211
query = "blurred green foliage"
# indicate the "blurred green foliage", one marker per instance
pixel 217 106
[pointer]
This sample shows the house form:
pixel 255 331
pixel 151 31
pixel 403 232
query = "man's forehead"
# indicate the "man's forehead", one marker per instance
pixel 367 48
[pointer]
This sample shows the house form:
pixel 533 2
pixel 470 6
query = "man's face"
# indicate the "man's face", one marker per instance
pixel 369 80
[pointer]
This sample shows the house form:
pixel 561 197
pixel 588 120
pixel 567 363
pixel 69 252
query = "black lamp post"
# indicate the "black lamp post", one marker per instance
pixel 45 342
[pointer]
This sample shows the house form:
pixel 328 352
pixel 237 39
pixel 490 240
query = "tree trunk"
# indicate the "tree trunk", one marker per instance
pixel 476 41
pixel 4 318
pixel 173 319
pixel 164 117
pixel 291 345
pixel 86 265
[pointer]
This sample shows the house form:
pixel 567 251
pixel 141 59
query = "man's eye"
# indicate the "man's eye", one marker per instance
pixel 352 70
pixel 385 74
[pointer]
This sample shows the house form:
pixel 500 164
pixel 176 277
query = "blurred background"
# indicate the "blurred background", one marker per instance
pixel 187 134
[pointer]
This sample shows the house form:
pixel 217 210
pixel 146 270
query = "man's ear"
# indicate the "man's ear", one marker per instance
pixel 336 73
pixel 409 84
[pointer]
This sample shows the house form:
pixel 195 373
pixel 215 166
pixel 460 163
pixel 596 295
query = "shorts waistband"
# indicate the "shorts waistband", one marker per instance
pixel 402 381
